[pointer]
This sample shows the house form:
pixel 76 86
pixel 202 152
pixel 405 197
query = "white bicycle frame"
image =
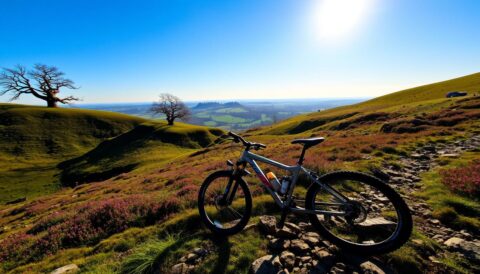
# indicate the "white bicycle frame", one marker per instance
pixel 295 170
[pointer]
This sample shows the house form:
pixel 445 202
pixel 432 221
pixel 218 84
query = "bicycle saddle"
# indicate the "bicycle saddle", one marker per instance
pixel 309 142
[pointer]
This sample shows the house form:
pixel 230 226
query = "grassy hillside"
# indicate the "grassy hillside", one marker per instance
pixel 147 217
pixel 151 143
pixel 34 139
pixel 412 101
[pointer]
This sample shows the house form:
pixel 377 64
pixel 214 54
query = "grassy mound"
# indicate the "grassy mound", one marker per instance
pixel 148 143
pixel 34 139
pixel 410 101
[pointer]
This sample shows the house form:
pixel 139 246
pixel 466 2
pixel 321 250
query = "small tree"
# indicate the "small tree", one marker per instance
pixel 172 107
pixel 43 82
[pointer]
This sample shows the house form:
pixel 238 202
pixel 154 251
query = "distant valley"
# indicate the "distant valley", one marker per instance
pixel 234 115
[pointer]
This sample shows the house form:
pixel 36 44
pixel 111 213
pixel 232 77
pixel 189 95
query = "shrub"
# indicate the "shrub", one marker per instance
pixel 463 179
pixel 46 222
pixel 15 246
pixel 92 222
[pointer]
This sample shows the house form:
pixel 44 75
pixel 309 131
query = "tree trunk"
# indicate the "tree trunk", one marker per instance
pixel 51 103
pixel 170 122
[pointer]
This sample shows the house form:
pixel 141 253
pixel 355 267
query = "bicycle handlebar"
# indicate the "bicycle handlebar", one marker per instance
pixel 238 139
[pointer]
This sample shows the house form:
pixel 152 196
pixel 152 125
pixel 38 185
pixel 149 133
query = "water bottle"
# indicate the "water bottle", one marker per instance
pixel 285 184
pixel 273 181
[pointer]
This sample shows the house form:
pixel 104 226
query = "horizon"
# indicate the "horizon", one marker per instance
pixel 242 50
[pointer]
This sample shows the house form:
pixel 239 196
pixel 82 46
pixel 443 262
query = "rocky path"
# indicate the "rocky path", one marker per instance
pixel 406 180
pixel 298 248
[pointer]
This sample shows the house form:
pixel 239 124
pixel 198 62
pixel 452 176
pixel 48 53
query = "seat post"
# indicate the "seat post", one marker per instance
pixel 300 160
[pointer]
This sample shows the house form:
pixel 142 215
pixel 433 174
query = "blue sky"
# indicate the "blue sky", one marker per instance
pixel 130 51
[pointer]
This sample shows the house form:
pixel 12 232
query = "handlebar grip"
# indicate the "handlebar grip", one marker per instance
pixel 236 138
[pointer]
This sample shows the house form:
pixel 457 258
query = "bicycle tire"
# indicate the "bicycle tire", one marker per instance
pixel 201 204
pixel 403 230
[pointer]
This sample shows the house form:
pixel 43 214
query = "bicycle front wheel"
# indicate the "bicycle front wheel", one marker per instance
pixel 224 213
pixel 371 219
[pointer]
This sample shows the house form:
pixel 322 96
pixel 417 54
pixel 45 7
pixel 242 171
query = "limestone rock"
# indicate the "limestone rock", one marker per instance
pixel 268 224
pixel 299 246
pixel 286 232
pixel 454 242
pixel 181 268
pixel 71 268
pixel 267 264
pixel 288 259
pixel 371 268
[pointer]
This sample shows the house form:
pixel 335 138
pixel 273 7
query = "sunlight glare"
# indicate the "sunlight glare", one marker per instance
pixel 339 19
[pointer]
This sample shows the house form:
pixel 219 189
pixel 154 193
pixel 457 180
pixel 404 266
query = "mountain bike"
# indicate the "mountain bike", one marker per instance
pixel 355 211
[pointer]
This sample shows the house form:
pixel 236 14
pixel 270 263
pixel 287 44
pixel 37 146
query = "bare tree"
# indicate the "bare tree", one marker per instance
pixel 43 82
pixel 172 107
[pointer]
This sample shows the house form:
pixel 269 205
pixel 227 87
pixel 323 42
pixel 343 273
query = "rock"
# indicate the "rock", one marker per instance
pixel 434 221
pixel 200 251
pixel 311 238
pixel 267 264
pixel 268 224
pixel 450 155
pixel 299 246
pixel 325 258
pixel 288 259
pixel 305 259
pixel 434 260
pixel 293 227
pixel 279 244
pixel 371 268
pixel 191 257
pixel 376 222
pixel 420 156
pixel 181 268
pixel 71 268
pixel 454 242
pixel 286 232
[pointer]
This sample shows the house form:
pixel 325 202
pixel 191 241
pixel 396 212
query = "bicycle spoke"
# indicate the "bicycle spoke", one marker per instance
pixel 366 220
pixel 222 215
pixel 235 212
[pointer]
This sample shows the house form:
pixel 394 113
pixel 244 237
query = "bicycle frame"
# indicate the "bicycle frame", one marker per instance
pixel 295 170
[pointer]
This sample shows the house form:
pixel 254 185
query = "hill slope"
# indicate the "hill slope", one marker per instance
pixel 410 101
pixel 148 143
pixel 33 139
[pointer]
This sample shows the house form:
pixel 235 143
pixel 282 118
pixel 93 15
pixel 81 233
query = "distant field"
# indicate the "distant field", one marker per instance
pixel 235 115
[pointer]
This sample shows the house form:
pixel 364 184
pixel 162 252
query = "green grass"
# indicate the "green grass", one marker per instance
pixel 151 143
pixel 415 100
pixel 231 110
pixel 145 258
pixel 228 119
pixel 34 139
pixel 453 209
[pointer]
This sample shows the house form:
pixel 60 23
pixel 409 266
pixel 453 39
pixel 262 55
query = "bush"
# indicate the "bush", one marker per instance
pixel 93 222
pixel 463 179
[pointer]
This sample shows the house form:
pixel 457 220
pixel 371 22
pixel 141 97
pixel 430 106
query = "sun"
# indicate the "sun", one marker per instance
pixel 339 19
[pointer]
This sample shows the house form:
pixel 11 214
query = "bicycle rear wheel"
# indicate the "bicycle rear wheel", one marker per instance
pixel 374 220
pixel 224 213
